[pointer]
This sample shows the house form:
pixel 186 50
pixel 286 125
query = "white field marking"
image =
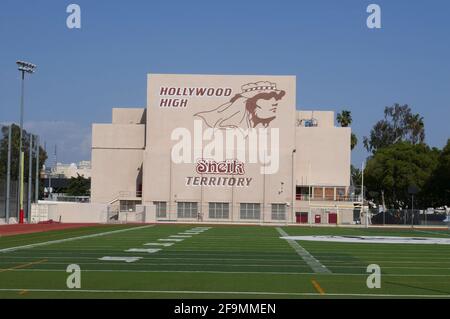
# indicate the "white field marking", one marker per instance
pixel 180 236
pixel 171 239
pixel 309 259
pixel 337 266
pixel 4 250
pixel 142 250
pixel 395 267
pixel 208 262
pixel 222 292
pixel 272 265
pixel 184 253
pixel 49 253
pixel 372 239
pixel 359 265
pixel 159 244
pixel 230 259
pixel 188 234
pixel 125 259
pixel 225 272
pixel 384 262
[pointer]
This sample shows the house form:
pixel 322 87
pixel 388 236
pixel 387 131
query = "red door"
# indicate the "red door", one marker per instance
pixel 304 218
pixel 317 219
pixel 298 218
pixel 332 218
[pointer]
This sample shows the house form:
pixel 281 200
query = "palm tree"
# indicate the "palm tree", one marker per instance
pixel 345 119
pixel 417 128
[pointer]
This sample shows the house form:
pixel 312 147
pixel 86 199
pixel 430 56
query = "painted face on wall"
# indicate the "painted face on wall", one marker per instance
pixel 266 108
pixel 257 104
pixel 263 107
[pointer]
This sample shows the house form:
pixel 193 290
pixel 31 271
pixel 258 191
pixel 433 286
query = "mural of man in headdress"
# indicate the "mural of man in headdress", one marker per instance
pixel 256 105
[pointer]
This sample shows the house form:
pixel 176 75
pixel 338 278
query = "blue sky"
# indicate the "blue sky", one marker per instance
pixel 338 61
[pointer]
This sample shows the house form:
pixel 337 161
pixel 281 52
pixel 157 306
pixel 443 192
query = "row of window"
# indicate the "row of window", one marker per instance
pixel 220 210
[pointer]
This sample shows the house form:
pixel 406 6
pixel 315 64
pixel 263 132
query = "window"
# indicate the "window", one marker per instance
pixel 187 209
pixel 161 209
pixel 329 193
pixel 278 211
pixel 219 210
pixel 340 193
pixel 128 205
pixel 318 192
pixel 250 211
pixel 302 192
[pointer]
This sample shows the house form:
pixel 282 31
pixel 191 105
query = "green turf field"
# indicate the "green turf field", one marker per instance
pixel 221 262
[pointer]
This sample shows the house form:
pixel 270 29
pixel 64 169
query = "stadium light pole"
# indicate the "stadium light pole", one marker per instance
pixel 23 67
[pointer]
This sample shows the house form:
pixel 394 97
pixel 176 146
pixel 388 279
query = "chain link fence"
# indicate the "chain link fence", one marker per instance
pixel 9 143
pixel 416 217
pixel 13 199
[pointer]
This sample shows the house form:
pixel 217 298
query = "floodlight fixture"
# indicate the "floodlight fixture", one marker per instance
pixel 26 66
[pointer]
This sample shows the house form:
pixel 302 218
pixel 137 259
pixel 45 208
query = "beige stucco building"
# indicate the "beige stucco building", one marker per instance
pixel 223 148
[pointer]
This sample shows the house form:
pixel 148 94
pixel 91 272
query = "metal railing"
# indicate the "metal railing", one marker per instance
pixel 339 198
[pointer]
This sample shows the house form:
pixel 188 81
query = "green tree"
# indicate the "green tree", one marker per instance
pixel 356 175
pixel 15 140
pixel 353 141
pixel 345 119
pixel 438 186
pixel 394 168
pixel 79 186
pixel 399 124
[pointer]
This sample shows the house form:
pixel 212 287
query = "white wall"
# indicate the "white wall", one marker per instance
pixel 76 212
pixel 323 156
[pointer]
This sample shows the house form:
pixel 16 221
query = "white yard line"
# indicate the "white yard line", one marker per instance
pixel 221 292
pixel 224 272
pixel 159 244
pixel 293 262
pixel 143 250
pixel 309 259
pixel 116 258
pixel 46 243
pixel 245 265
pixel 185 252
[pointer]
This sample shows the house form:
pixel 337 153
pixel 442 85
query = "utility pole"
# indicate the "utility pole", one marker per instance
pixel 24 67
